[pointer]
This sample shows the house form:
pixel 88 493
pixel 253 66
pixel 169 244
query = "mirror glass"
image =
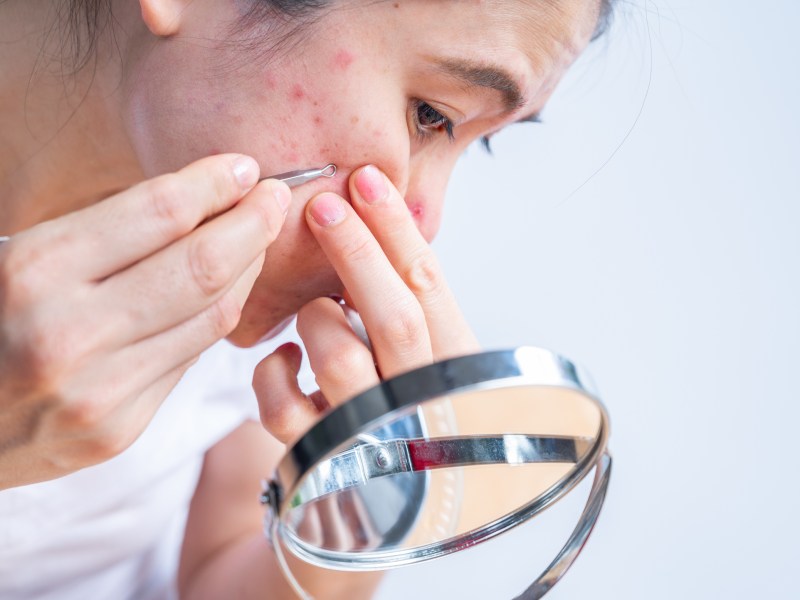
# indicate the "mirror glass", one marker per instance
pixel 439 476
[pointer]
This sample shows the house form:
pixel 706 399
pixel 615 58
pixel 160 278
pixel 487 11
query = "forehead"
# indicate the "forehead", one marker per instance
pixel 535 40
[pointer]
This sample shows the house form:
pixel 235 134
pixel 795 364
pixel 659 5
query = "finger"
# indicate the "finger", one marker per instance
pixel 193 273
pixel 131 418
pixel 341 362
pixel 285 411
pixel 384 211
pixel 134 368
pixel 391 313
pixel 110 235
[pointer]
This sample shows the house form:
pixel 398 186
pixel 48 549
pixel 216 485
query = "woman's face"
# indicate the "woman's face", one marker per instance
pixel 404 85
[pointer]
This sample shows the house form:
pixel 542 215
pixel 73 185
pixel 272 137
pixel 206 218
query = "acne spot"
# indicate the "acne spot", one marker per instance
pixel 354 119
pixel 343 59
pixel 219 107
pixel 297 92
pixel 238 119
pixel 214 152
pixel 417 210
pixel 270 81
pixel 317 120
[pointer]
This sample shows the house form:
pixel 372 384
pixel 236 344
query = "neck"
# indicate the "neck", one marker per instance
pixel 63 144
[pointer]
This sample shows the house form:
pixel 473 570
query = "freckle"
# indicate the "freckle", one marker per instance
pixel 354 119
pixel 298 93
pixel 343 59
pixel 397 5
pixel 316 103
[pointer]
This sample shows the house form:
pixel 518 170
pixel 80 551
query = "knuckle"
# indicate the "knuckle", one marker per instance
pixel 209 267
pixel 166 203
pixel 104 445
pixel 280 423
pixel 83 415
pixel 224 315
pixel 22 279
pixel 358 249
pixel 405 329
pixel 346 366
pixel 46 353
pixel 423 276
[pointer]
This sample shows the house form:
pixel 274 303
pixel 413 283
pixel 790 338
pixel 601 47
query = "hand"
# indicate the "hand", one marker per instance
pixel 392 278
pixel 105 308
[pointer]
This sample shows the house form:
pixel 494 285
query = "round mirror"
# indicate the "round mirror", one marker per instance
pixel 439 459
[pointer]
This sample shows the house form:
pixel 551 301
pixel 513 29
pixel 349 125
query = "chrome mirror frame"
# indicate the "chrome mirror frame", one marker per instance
pixel 525 366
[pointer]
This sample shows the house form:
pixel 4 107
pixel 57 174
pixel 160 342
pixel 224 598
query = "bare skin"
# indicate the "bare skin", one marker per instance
pixel 125 260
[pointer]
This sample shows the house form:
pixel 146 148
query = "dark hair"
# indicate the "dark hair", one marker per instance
pixel 86 19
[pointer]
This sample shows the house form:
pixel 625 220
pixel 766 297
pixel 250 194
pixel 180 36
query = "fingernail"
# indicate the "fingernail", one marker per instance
pixel 327 209
pixel 245 169
pixel 283 196
pixel 371 184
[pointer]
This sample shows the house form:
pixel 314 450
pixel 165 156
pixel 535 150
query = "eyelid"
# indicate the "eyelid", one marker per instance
pixel 450 122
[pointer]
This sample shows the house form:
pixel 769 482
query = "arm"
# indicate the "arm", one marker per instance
pixel 225 554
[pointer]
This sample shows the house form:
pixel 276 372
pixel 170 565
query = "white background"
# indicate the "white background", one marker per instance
pixel 672 275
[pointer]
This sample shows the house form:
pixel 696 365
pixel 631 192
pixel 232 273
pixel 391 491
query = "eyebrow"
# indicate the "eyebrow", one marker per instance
pixel 486 76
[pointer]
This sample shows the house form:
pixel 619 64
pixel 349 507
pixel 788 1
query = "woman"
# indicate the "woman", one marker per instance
pixel 125 264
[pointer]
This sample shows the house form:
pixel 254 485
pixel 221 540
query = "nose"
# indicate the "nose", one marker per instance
pixel 425 188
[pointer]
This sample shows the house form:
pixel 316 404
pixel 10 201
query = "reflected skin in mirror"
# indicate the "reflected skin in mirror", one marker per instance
pixel 386 83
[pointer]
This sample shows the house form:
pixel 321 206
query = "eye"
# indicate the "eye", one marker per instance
pixel 428 120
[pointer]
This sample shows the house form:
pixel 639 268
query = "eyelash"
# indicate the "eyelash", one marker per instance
pixel 440 122
pixel 486 139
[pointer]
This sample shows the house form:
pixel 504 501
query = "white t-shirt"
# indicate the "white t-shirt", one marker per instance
pixel 115 530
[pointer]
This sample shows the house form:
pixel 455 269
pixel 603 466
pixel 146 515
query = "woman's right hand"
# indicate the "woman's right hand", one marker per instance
pixel 102 310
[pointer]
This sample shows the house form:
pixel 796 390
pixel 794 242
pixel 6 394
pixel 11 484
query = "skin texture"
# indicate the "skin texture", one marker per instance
pixel 343 99
pixel 102 280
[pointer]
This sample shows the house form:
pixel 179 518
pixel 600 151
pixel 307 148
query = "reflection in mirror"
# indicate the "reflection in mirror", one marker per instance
pixel 442 470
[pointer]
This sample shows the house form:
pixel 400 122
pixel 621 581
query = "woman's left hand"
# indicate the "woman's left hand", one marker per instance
pixel 394 281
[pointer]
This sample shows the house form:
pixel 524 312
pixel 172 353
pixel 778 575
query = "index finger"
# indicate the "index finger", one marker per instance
pixel 384 211
pixel 113 234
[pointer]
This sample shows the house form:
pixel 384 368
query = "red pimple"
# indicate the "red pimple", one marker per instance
pixel 343 59
pixel 318 120
pixel 298 93
pixel 417 210
pixel 269 80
